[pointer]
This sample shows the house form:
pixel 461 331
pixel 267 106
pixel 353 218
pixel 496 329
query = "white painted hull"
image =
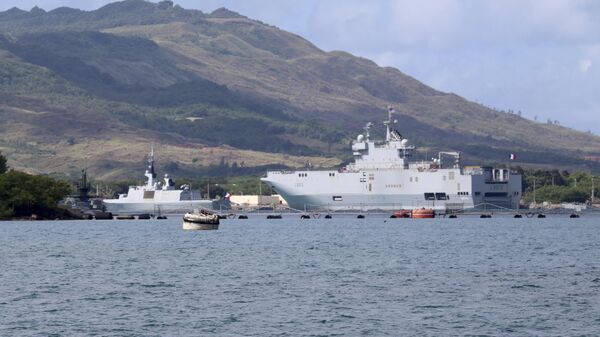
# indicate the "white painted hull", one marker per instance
pixel 193 226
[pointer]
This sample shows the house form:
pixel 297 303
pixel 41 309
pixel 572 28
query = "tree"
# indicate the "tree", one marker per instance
pixel 3 166
pixel 22 194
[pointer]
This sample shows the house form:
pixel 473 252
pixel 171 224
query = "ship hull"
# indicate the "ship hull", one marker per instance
pixel 360 202
pixel 156 208
pixel 394 189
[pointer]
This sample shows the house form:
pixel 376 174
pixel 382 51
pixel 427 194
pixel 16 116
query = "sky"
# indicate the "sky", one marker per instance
pixel 538 57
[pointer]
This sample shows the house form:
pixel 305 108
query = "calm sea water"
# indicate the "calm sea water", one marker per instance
pixel 340 277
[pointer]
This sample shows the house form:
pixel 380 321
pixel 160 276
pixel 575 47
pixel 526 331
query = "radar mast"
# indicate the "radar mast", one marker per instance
pixel 388 124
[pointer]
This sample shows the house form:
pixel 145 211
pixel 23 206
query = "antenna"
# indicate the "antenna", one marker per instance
pixel 151 162
pixel 367 129
pixel 388 123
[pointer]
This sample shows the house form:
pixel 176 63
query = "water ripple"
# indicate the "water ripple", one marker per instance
pixel 301 278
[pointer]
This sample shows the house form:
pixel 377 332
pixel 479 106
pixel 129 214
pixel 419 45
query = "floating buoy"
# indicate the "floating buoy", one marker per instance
pixel 485 216
pixel 328 216
pixel 125 217
pixel 574 216
pixel 243 217
pixel 393 216
pixel 360 216
pixel 453 216
pixel 161 217
pixel 144 217
pixel 541 216
pixel 304 216
pixel 103 216
pixel 518 216
pixel 274 216
pixel 403 213
pixel 423 213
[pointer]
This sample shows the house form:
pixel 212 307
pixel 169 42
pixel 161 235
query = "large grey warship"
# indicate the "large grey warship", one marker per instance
pixel 382 177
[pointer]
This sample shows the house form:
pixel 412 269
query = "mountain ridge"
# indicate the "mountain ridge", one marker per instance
pixel 223 80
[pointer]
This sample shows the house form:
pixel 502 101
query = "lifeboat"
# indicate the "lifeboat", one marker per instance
pixel 403 213
pixel 423 213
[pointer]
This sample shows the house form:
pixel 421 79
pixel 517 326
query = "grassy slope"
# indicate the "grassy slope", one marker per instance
pixel 50 126
pixel 107 96
pixel 330 85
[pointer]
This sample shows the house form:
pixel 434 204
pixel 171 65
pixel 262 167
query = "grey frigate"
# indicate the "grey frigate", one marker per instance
pixel 383 177
pixel 157 197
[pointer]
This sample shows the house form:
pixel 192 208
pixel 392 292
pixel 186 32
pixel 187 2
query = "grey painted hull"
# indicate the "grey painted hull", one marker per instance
pixel 361 202
pixel 392 190
pixel 156 208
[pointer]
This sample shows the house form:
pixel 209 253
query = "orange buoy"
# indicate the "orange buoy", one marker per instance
pixel 423 213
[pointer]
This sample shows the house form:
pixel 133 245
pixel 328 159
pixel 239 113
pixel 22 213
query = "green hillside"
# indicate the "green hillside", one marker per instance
pixel 100 86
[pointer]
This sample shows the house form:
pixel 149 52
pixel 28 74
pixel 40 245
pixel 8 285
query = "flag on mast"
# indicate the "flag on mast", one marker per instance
pixel 513 156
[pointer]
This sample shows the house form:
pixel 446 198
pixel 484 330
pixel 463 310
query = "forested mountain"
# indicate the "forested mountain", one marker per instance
pixel 101 86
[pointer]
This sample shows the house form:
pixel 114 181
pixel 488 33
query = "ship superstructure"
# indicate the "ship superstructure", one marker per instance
pixel 157 197
pixel 383 177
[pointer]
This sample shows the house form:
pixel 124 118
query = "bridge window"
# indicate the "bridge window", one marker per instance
pixel 441 196
pixel 429 196
pixel 337 198
pixel 496 194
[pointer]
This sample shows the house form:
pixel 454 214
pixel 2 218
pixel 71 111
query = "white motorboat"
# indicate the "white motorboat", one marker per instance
pixel 200 220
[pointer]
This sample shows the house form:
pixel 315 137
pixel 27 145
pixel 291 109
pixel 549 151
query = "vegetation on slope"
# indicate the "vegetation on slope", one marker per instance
pixel 137 69
pixel 24 195
pixel 555 186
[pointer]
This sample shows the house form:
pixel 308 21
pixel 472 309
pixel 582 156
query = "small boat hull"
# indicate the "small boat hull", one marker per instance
pixel 200 221
pixel 194 226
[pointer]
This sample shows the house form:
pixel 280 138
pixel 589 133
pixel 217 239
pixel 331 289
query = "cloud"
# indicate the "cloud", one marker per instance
pixel 509 54
pixel 584 65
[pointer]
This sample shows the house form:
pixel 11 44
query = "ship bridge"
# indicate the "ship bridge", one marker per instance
pixel 394 152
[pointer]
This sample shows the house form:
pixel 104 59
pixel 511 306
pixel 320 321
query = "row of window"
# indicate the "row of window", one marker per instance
pixel 496 194
pixel 436 196
pixel 304 175
pixel 463 193
pixel 393 186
